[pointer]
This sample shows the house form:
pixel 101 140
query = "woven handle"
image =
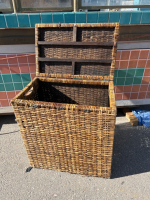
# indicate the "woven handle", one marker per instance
pixel 28 93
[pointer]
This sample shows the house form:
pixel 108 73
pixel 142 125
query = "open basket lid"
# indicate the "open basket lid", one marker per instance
pixel 86 51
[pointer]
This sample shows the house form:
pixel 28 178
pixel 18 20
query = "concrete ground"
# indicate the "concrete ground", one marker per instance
pixel 130 169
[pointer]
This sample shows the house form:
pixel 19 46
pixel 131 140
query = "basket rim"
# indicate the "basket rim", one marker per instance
pixel 18 98
pixel 58 25
pixel 83 25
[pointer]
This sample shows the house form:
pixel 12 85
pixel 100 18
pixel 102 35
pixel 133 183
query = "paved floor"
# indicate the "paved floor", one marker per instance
pixel 130 169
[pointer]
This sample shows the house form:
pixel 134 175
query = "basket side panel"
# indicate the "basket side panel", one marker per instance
pixel 68 140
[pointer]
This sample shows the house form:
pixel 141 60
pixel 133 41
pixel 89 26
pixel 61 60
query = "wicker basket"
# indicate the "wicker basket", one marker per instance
pixel 67 113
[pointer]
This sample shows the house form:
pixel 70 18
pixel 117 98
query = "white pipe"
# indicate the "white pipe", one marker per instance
pixel 75 6
pixel 14 6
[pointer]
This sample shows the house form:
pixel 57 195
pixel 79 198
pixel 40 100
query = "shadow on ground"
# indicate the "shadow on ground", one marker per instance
pixel 131 154
pixel 7 119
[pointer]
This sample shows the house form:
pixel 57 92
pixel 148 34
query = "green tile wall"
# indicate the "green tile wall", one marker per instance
pixel 116 73
pixel 139 72
pixel 120 81
pixel 30 19
pixel 25 77
pixel 114 16
pixel 125 17
pixel 34 19
pixel 11 20
pixel 9 86
pixel 122 73
pixel 1 81
pixel 145 19
pixel 80 17
pixel 128 76
pixel 69 17
pixel 2 22
pixel 115 81
pixel 18 86
pixel 92 17
pixel 103 17
pixel 16 77
pixel 137 80
pixel 25 84
pixel 46 18
pixel 23 20
pixel 2 87
pixel 129 81
pixel 11 82
pixel 135 17
pixel 6 78
pixel 58 18
pixel 130 73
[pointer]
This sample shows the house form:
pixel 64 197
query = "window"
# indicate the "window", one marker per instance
pixel 45 3
pixel 114 2
pixel 5 4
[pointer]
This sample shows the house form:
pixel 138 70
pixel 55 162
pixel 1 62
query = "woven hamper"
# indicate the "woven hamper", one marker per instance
pixel 66 115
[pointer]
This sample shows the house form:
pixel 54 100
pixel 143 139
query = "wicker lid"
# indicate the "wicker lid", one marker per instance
pixel 86 51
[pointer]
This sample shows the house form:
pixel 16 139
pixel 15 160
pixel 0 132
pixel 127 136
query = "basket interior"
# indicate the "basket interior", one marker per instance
pixel 68 93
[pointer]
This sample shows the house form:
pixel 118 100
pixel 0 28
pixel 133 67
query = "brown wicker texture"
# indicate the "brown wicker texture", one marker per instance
pixel 63 43
pixel 93 69
pixel 76 52
pixel 57 34
pixel 90 34
pixel 68 124
pixel 95 34
pixel 80 68
pixel 56 67
pixel 93 95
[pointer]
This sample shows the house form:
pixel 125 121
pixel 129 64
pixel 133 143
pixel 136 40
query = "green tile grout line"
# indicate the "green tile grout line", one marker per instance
pixel 20 71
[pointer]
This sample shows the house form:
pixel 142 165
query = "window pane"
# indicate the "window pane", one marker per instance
pixel 94 2
pixel 114 2
pixel 144 2
pixel 45 3
pixel 126 2
pixel 5 4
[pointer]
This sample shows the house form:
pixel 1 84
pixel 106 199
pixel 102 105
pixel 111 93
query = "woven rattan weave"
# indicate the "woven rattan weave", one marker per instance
pixel 67 113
